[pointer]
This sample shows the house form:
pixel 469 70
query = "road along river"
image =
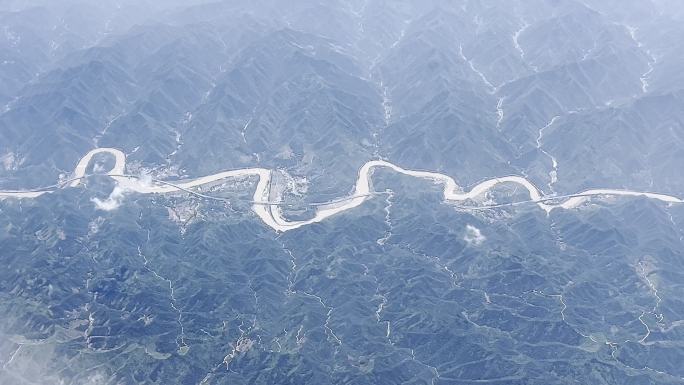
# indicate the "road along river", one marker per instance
pixel 271 213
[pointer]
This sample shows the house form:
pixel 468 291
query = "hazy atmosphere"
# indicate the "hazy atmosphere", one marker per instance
pixel 342 192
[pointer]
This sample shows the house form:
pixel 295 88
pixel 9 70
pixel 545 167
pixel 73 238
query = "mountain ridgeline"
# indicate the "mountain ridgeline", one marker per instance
pixel 178 288
pixel 471 88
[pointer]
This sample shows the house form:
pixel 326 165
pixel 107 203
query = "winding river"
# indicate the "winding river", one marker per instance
pixel 271 213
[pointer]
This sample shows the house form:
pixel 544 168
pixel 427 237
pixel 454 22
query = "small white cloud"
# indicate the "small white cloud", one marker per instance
pixel 112 202
pixel 473 236
pixel 98 168
pixel 145 179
